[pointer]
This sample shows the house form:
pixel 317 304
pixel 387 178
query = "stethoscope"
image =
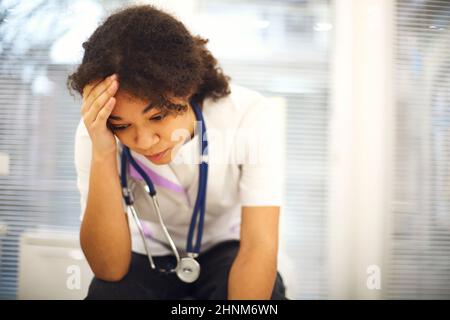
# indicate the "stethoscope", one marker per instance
pixel 187 268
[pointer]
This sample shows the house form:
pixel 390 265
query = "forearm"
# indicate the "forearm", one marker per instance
pixel 104 235
pixel 252 275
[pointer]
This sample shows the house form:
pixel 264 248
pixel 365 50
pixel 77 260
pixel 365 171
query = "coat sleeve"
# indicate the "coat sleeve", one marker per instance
pixel 260 141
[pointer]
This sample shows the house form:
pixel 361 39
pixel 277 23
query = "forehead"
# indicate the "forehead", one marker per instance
pixel 128 102
pixel 128 106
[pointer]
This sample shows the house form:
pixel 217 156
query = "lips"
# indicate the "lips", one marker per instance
pixel 157 156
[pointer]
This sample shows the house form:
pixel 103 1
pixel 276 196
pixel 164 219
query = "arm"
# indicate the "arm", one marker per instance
pixel 104 235
pixel 253 273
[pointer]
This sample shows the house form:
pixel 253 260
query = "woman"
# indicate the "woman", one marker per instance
pixel 148 86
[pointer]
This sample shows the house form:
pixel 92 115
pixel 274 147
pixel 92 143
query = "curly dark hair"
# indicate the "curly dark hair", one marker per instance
pixel 155 57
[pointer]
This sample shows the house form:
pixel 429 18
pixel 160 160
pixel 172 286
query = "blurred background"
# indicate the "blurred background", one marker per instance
pixel 364 85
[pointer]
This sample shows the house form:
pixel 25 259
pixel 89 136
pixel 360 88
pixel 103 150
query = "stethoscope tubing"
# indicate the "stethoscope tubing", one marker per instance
pixel 200 203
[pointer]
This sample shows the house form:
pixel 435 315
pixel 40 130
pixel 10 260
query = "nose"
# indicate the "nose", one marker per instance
pixel 145 139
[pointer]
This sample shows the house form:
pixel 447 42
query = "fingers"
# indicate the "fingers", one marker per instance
pixel 94 86
pixel 97 97
pixel 104 113
pixel 88 88
pixel 91 91
pixel 100 101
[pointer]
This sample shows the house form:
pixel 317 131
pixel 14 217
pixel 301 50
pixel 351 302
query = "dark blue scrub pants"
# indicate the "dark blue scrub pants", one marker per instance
pixel 142 282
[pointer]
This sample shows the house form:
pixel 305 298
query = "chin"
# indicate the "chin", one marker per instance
pixel 161 162
pixel 164 160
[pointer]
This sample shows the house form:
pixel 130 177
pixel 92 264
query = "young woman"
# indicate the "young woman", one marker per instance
pixel 160 119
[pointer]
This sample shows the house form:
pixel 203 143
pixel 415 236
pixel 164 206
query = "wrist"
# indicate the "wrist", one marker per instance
pixel 104 158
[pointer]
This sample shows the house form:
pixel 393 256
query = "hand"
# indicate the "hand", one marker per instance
pixel 98 103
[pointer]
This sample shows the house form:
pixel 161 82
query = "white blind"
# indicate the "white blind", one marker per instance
pixel 280 48
pixel 38 119
pixel 419 255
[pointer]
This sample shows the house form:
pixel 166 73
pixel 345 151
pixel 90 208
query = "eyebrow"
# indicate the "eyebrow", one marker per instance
pixel 147 108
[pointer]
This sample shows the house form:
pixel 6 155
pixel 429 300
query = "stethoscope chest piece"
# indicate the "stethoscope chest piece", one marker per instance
pixel 188 269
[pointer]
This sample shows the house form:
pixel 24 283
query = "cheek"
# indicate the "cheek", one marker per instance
pixel 177 132
pixel 126 137
pixel 169 136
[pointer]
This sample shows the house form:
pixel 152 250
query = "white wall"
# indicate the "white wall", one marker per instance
pixel 360 144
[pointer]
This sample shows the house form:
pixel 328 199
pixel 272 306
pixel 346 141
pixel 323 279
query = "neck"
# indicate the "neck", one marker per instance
pixel 193 120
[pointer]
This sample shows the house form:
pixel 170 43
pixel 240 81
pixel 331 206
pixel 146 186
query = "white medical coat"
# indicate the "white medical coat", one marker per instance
pixel 245 168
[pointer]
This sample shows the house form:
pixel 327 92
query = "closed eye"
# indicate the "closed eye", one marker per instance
pixel 158 117
pixel 117 127
pixel 155 118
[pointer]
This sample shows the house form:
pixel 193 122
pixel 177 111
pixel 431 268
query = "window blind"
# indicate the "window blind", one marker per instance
pixel 419 240
pixel 38 118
